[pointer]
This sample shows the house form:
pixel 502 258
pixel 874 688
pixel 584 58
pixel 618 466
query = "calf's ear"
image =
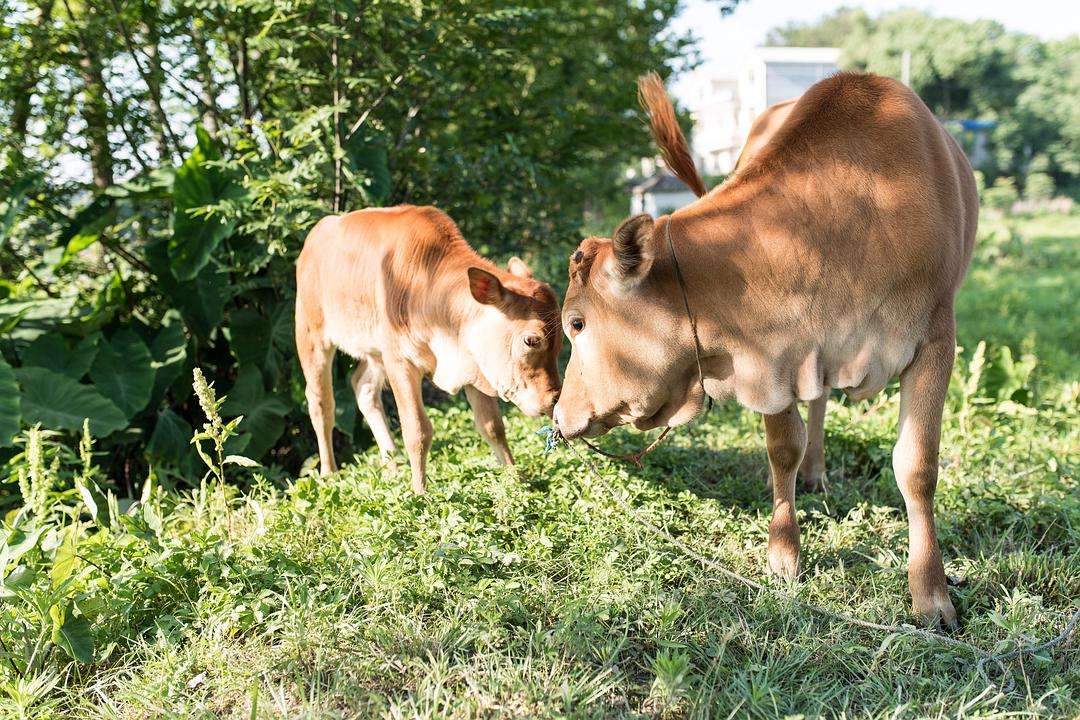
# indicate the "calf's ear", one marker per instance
pixel 518 267
pixel 485 287
pixel 633 248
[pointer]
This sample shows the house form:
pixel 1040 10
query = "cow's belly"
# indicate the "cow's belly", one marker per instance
pixel 768 382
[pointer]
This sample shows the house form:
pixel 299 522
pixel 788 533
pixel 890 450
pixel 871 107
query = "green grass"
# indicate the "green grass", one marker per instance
pixel 529 592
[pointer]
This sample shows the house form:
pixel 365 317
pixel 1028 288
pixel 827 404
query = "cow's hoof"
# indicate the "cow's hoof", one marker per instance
pixel 813 480
pixel 935 609
pixel 783 559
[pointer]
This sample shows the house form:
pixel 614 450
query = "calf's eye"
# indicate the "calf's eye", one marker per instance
pixel 577 324
pixel 532 341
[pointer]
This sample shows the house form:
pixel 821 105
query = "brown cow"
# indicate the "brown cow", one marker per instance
pixel 830 259
pixel 812 467
pixel 401 291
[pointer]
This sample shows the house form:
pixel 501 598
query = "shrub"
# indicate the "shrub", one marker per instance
pixel 1039 186
pixel 1001 195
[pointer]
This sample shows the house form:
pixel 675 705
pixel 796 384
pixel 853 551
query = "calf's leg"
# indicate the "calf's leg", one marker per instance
pixel 316 360
pixel 489 423
pixel 923 386
pixel 416 429
pixel 367 381
pixel 812 469
pixel 785 439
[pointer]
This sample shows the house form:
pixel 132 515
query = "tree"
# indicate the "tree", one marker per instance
pixel 1028 88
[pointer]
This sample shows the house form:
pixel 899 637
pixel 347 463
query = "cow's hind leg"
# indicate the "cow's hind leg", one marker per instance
pixel 368 380
pixel 489 423
pixel 812 469
pixel 785 438
pixel 923 386
pixel 316 360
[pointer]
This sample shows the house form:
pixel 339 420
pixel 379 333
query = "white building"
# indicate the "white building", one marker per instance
pixel 659 195
pixel 723 105
pixel 714 107
pixel 774 74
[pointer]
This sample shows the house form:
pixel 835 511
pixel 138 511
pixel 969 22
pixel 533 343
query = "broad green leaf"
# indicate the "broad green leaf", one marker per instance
pixel 250 337
pixel 345 410
pixel 19 578
pixel 123 371
pixel 197 185
pixel 10 406
pixel 17 544
pixel 169 351
pixel 65 559
pixel 201 301
pixel 282 326
pixel 85 228
pixel 95 500
pixel 156 184
pixel 263 412
pixel 50 351
pixel 169 441
pixel 241 460
pixel 73 634
pixel 60 403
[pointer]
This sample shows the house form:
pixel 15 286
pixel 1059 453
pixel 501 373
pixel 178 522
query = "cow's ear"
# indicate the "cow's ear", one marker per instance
pixel 633 248
pixel 518 267
pixel 485 287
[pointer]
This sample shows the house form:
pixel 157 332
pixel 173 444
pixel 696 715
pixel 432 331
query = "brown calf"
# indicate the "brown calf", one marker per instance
pixel 829 259
pixel 401 291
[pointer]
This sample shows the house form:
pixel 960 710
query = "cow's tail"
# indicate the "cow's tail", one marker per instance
pixel 667 133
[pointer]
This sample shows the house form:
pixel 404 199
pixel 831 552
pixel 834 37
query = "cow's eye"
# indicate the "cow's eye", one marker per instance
pixel 577 324
pixel 533 341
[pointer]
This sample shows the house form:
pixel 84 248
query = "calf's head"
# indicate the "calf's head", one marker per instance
pixel 632 357
pixel 515 338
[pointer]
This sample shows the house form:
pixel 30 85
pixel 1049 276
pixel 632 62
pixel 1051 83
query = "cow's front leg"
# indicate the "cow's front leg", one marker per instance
pixel 416 429
pixel 785 439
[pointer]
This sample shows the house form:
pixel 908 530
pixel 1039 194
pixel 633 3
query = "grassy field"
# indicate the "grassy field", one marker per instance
pixel 529 592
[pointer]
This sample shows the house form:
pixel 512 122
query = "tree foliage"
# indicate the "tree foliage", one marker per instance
pixel 161 163
pixel 1028 87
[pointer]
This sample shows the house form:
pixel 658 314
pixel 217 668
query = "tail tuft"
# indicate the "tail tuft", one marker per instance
pixel 666 131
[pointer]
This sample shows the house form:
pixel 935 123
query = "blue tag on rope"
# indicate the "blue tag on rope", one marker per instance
pixel 551 437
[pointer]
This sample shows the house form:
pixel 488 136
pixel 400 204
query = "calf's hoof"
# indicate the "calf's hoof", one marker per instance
pixel 419 487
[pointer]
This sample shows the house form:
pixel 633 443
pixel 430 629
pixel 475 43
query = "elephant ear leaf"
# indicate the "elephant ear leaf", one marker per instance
pixel 58 402
pixel 198 184
pixel 73 634
pixel 169 352
pixel 124 371
pixel 50 351
pixel 10 407
pixel 264 413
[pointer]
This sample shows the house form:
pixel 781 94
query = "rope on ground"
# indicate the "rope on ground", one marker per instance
pixel 983 657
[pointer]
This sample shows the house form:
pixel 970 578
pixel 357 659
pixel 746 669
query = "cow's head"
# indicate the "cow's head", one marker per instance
pixel 632 357
pixel 516 338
